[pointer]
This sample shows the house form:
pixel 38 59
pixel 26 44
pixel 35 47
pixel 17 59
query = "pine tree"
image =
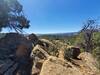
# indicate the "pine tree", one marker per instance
pixel 12 16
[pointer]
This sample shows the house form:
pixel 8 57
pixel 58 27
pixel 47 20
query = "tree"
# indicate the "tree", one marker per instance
pixel 88 30
pixel 12 16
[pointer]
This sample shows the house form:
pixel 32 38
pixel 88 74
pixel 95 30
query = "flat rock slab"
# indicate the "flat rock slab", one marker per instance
pixel 56 66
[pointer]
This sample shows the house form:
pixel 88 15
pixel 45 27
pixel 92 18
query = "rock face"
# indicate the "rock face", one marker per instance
pixel 56 66
pixel 15 52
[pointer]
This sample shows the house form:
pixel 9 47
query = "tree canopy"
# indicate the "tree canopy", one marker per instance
pixel 12 16
pixel 90 27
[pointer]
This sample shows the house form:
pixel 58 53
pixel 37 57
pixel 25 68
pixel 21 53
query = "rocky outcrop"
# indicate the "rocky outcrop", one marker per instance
pixel 18 57
pixel 79 64
pixel 39 56
pixel 15 52
pixel 89 63
pixel 56 66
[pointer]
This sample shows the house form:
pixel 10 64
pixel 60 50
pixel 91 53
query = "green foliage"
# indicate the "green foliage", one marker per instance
pixel 68 53
pixel 96 44
pixel 11 15
pixel 96 51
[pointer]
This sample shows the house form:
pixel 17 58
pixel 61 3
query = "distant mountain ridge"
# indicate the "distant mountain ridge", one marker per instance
pixel 60 34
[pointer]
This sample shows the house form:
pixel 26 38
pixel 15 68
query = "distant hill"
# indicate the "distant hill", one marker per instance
pixel 50 35
pixel 59 34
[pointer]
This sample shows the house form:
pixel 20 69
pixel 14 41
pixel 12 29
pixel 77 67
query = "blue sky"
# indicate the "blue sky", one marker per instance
pixel 58 16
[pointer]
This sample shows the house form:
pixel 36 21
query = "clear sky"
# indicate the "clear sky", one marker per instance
pixel 58 16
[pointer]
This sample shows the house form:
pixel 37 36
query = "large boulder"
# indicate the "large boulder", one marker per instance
pixel 15 49
pixel 89 63
pixel 57 66
pixel 48 46
pixel 39 55
pixel 71 52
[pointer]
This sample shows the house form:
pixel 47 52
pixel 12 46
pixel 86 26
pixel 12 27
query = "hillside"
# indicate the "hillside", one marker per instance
pixel 49 56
